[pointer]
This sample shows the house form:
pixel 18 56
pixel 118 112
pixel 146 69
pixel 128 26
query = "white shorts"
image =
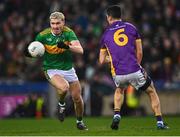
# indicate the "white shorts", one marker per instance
pixel 69 75
pixel 136 79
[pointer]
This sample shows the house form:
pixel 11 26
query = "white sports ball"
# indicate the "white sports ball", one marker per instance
pixel 36 49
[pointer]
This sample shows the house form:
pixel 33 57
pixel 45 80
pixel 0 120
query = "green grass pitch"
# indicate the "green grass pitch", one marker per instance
pixel 98 126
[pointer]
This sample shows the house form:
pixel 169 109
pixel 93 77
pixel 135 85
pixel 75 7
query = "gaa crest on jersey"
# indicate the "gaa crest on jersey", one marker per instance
pixel 49 39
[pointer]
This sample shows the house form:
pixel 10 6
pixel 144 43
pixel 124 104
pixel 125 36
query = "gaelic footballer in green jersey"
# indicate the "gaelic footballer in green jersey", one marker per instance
pixel 55 57
pixel 60 42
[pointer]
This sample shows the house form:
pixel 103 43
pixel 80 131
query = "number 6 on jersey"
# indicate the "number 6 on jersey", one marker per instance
pixel 120 38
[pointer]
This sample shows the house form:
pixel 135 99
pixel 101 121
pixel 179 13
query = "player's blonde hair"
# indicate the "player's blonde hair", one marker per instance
pixel 57 15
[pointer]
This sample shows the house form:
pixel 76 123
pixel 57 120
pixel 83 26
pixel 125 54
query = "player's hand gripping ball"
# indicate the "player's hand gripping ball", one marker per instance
pixel 36 49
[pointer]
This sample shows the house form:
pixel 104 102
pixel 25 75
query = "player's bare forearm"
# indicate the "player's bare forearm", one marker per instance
pixel 139 51
pixel 107 59
pixel 139 57
pixel 103 57
pixel 76 47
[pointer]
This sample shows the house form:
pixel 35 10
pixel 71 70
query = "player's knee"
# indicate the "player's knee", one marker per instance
pixel 63 88
pixel 76 98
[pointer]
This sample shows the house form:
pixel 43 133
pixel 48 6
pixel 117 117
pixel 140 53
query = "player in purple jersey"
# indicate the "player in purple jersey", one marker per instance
pixel 121 47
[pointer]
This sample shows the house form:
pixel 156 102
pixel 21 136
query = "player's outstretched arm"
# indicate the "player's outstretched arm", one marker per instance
pixel 75 46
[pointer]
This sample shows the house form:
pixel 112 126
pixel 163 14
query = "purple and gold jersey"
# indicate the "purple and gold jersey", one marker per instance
pixel 119 41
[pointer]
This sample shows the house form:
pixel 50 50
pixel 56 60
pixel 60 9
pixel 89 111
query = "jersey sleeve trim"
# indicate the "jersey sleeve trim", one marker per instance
pixel 103 49
pixel 138 40
pixel 46 31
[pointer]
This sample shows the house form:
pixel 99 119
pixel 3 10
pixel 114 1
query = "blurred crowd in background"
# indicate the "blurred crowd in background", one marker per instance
pixel 31 106
pixel 158 22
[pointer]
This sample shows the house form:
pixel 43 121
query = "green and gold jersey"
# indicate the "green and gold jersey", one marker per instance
pixel 54 57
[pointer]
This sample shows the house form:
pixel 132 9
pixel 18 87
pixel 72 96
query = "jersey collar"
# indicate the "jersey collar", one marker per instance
pixel 115 23
pixel 55 34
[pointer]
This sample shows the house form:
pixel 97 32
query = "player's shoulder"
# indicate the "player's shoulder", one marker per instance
pixel 67 29
pixel 104 33
pixel 128 24
pixel 45 31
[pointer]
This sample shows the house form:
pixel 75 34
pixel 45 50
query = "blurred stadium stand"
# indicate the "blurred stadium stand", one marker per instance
pixel 157 21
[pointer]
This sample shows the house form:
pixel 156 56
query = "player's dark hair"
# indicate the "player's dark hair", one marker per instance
pixel 114 11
